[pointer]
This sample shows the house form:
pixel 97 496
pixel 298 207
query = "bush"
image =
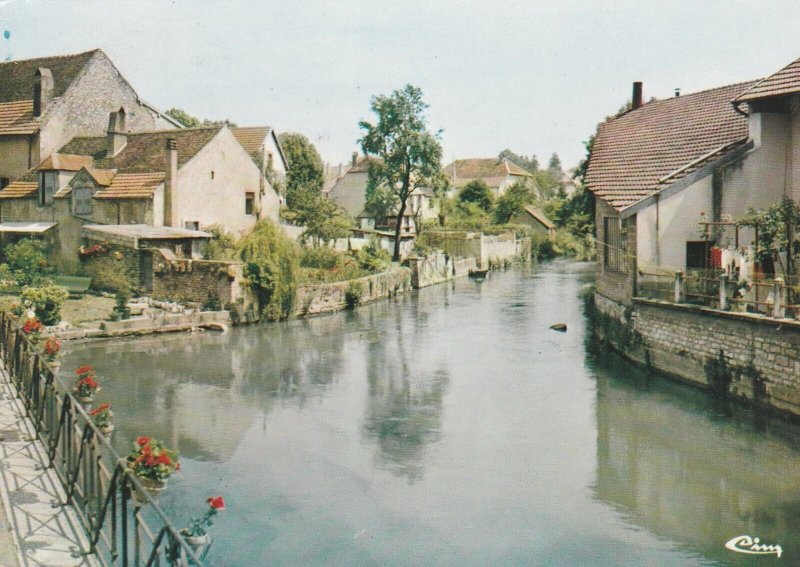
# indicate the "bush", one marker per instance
pixel 477 192
pixel 354 293
pixel 46 302
pixel 322 258
pixel 271 264
pixel 373 258
pixel 222 245
pixel 27 261
pixel 121 309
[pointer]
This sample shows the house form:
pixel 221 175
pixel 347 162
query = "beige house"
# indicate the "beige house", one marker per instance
pixel 536 219
pixel 663 168
pixel 349 188
pixel 45 102
pixel 262 144
pixel 498 174
pixel 183 180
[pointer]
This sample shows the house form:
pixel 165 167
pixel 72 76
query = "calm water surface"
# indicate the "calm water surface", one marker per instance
pixel 451 427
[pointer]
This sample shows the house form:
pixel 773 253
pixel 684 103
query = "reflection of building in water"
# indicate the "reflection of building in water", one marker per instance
pixel 200 393
pixel 404 408
pixel 690 474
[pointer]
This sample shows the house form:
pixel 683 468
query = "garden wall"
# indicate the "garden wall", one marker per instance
pixel 744 355
pixel 437 268
pixel 323 298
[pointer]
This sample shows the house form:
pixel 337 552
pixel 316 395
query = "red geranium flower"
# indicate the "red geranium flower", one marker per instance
pixel 142 441
pixel 84 370
pixel 217 503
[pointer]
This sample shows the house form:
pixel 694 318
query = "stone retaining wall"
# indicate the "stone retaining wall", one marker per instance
pixel 744 355
pixel 437 268
pixel 323 298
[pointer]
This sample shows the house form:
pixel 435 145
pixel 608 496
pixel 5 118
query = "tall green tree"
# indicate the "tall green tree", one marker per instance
pixel 529 164
pixel 512 201
pixel 409 156
pixel 306 171
pixel 478 192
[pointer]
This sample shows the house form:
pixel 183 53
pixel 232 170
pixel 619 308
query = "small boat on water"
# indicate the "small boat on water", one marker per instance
pixel 478 273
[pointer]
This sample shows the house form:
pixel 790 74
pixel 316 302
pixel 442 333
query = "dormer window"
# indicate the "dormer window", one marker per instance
pixel 48 185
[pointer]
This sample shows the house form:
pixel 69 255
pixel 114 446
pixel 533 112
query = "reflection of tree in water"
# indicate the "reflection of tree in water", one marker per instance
pixel 404 410
pixel 180 387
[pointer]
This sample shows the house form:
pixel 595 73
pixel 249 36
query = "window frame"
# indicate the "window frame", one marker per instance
pixel 249 203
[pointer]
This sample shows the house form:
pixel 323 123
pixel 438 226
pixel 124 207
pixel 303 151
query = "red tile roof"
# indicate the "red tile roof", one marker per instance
pixel 539 216
pixel 784 82
pixel 251 138
pixel 19 189
pixel 668 138
pixel 17 118
pixel 65 162
pixel 131 186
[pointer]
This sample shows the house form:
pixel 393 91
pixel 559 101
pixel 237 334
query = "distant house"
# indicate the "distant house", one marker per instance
pixel 536 219
pixel 498 174
pixel 348 190
pixel 45 102
pixel 176 179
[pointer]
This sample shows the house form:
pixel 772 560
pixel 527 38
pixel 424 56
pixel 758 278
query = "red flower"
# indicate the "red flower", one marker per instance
pixel 217 503
pixel 84 370
pixel 31 326
pixel 163 459
pixel 100 409
pixel 142 441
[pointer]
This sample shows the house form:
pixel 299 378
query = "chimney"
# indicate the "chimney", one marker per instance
pixel 677 91
pixel 171 183
pixel 116 137
pixel 42 91
pixel 355 158
pixel 636 100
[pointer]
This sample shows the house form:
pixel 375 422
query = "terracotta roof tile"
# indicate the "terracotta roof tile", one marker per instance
pixel 539 215
pixel 65 162
pixel 17 77
pixel 784 82
pixel 17 118
pixel 634 151
pixel 144 152
pixel 131 186
pixel 251 138
pixel 19 189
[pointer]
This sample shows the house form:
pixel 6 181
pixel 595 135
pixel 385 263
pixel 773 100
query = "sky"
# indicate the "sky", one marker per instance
pixel 534 76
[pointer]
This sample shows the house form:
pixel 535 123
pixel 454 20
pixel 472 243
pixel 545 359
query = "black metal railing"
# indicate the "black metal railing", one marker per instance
pixel 97 482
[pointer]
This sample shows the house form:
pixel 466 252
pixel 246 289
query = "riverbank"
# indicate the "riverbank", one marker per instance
pixel 748 357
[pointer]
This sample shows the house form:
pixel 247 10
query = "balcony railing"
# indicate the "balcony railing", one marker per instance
pixel 97 482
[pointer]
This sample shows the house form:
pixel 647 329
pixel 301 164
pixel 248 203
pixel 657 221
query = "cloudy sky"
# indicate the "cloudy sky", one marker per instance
pixel 532 75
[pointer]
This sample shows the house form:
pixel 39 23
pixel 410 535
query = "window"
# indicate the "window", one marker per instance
pixel 269 162
pixel 47 187
pixel 82 201
pixel 613 245
pixel 3 183
pixel 698 254
pixel 212 174
pixel 249 200
pixel 430 203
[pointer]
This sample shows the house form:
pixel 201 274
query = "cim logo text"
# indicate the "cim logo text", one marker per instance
pixel 752 546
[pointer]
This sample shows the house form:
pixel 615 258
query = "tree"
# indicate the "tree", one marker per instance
pixel 477 192
pixel 515 198
pixel 323 219
pixel 529 164
pixel 271 264
pixel 554 167
pixel 306 172
pixel 183 117
pixel 408 155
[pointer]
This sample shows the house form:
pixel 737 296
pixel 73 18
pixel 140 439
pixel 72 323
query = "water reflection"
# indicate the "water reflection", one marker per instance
pixel 694 470
pixel 201 395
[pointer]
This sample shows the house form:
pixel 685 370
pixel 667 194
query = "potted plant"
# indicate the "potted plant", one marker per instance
pixel 51 350
pixel 153 464
pixel 101 416
pixel 33 329
pixel 196 534
pixel 86 386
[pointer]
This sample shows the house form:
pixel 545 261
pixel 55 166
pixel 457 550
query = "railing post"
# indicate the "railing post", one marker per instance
pixel 680 290
pixel 779 295
pixel 723 292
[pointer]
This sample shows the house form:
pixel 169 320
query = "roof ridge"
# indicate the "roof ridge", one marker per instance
pixel 96 49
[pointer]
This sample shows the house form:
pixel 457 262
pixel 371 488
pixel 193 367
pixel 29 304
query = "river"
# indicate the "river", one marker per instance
pixel 450 426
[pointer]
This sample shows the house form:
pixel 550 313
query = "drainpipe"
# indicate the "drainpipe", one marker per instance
pixel 658 245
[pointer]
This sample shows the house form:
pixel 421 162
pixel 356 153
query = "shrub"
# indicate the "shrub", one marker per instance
pixel 322 258
pixel 477 192
pixel 354 293
pixel 221 246
pixel 27 261
pixel 212 303
pixel 46 302
pixel 121 308
pixel 373 258
pixel 271 264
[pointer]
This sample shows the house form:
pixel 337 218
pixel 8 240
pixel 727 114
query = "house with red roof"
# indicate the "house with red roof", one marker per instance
pixel 662 170
pixel 499 174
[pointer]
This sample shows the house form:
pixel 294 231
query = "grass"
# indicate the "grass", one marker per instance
pixel 86 311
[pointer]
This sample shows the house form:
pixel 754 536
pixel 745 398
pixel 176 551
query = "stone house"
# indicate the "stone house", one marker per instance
pixel 182 180
pixel 498 174
pixel 349 188
pixel 536 219
pixel 262 144
pixel 45 102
